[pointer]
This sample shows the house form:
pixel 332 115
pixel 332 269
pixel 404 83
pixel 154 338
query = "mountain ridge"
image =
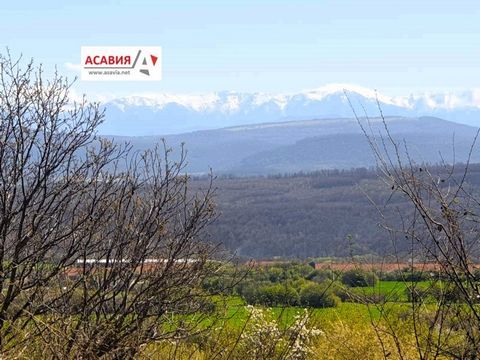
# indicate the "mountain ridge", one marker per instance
pixel 164 114
pixel 296 146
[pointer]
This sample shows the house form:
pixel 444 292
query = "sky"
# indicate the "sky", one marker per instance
pixel 396 47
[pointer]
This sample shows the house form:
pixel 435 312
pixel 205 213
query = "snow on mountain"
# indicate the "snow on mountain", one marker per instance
pixel 157 114
pixel 448 101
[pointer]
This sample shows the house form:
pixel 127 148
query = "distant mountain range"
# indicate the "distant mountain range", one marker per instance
pixel 163 114
pixel 308 145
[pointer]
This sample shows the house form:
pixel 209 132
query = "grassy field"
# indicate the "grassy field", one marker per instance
pixel 237 314
pixel 346 326
pixel 393 291
pixel 350 330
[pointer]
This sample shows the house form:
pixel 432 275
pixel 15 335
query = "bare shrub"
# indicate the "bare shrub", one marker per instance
pixel 440 229
pixel 101 248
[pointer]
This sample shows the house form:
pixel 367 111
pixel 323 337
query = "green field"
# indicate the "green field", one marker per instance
pixel 392 291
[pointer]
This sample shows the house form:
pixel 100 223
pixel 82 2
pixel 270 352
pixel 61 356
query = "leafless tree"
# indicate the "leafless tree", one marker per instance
pixel 441 229
pixel 101 248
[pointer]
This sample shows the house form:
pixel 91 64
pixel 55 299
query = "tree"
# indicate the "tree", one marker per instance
pixel 441 229
pixel 359 278
pixel 276 295
pixel 101 248
pixel 315 295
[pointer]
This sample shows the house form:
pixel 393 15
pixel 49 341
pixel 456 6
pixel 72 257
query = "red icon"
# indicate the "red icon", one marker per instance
pixel 154 59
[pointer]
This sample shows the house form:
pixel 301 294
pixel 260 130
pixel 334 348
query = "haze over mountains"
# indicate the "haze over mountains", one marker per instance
pixel 162 114
pixel 259 134
pixel 309 145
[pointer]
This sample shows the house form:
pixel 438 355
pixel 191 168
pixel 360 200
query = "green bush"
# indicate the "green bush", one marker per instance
pixel 408 274
pixel 417 295
pixel 343 294
pixel 272 295
pixel 249 291
pixel 315 295
pixel 359 278
pixel 320 276
pixel 435 292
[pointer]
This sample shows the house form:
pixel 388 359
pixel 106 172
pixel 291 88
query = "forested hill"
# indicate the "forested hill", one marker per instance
pixel 310 145
pixel 326 213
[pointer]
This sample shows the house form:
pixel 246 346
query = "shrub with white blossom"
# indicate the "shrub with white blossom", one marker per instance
pixel 264 338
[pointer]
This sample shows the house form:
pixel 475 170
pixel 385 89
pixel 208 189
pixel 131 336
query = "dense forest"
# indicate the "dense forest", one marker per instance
pixel 319 214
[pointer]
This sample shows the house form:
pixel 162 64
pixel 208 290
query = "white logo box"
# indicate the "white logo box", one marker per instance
pixel 117 63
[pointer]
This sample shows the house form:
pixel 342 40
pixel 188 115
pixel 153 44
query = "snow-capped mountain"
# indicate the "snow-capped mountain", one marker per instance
pixel 158 114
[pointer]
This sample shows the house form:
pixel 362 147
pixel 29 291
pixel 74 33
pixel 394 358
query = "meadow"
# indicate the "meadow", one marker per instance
pixel 348 330
pixel 374 315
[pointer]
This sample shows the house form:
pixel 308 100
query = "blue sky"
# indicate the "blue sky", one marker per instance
pixel 397 47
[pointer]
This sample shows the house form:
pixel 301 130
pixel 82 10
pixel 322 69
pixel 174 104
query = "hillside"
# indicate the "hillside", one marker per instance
pixel 327 213
pixel 286 147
